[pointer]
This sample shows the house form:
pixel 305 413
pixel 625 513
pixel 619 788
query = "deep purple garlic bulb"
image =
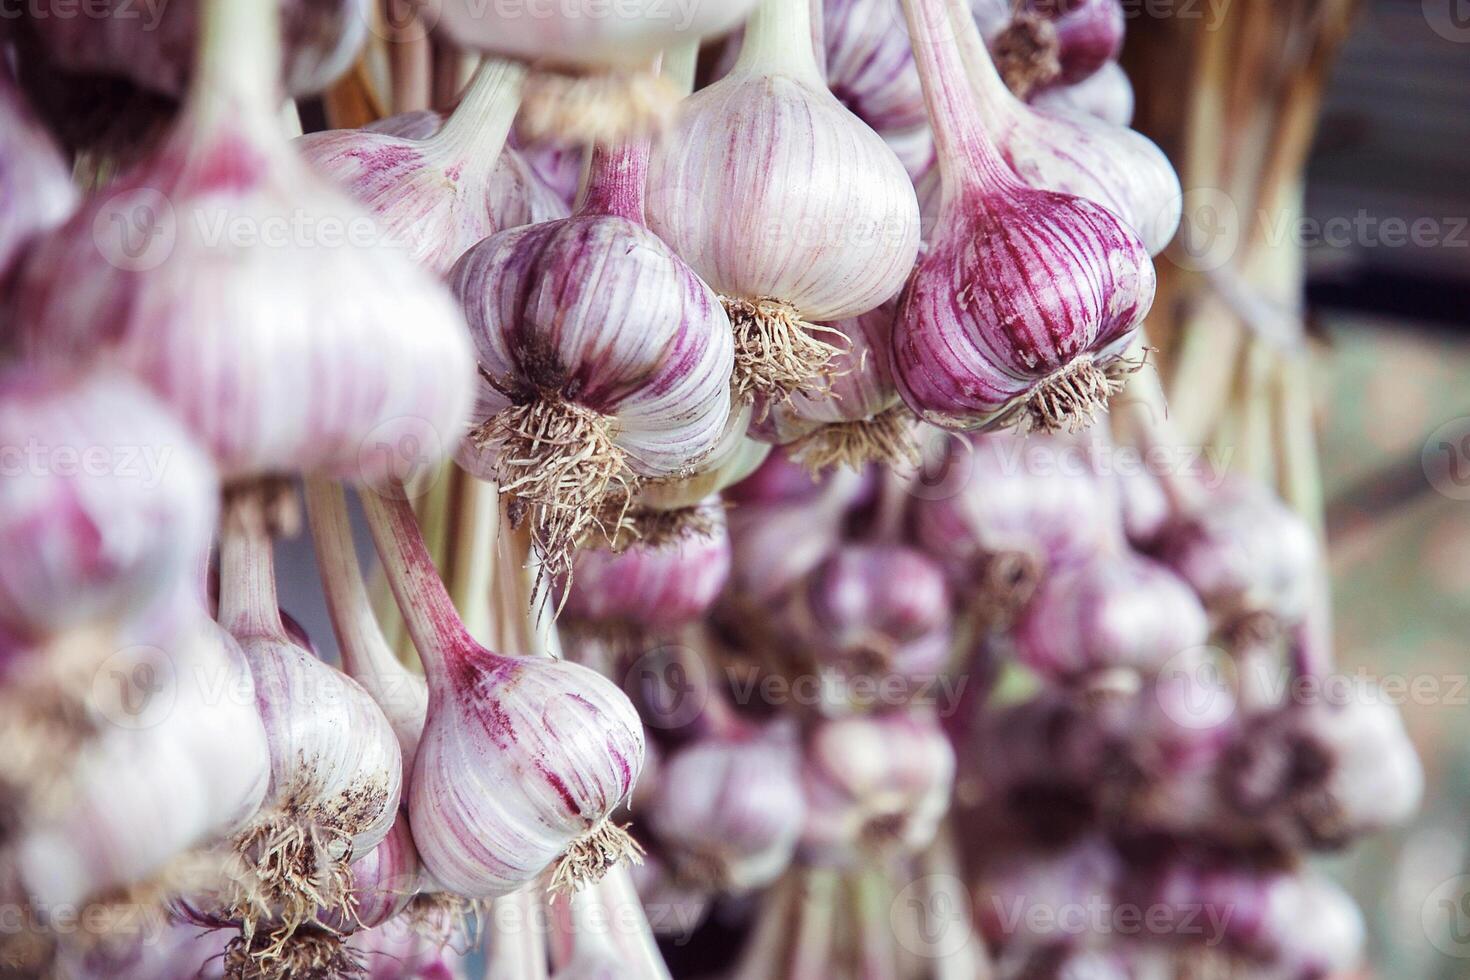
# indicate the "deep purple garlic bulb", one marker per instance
pixel 153 46
pixel 1327 772
pixel 604 359
pixel 523 760
pixel 36 191
pixel 787 204
pixel 875 609
pixel 1250 557
pixel 729 808
pixel 857 417
pixel 336 767
pixel 232 281
pixel 431 196
pixel 160 776
pixel 1019 511
pixel 1027 300
pixel 667 578
pixel 874 785
pixel 592 81
pixel 1107 94
pixel 1072 153
pixel 1114 611
pixel 1057 42
pixel 106 507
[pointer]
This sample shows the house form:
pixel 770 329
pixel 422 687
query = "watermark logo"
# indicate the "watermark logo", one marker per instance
pixel 136 230
pixel 403 21
pixel 1445 917
pixel 135 688
pixel 1210 231
pixel 400 457
pixel 1446 458
pixel 672 683
pixel 931 917
pixel 1450 19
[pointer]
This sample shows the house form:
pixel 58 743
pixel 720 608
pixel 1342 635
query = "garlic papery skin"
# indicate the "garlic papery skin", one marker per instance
pixel 1107 95
pixel 384 881
pixel 336 767
pixel 729 808
pixel 1115 611
pixel 604 359
pixel 153 47
pixel 431 196
pixel 1018 511
pixel 106 504
pixel 1252 560
pixel 522 760
pixel 733 459
pixel 178 760
pixel 791 208
pixel 875 785
pixel 402 694
pixel 857 418
pixel 880 610
pixel 232 281
pixel 666 579
pixel 1027 300
pixel 36 191
pixel 1069 152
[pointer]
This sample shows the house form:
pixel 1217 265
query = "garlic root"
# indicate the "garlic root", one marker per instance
pixel 594 855
pixel 886 438
pixel 776 353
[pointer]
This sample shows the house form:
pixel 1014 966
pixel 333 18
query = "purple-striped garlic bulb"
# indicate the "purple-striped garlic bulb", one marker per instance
pixel 385 881
pixel 431 196
pixel 399 949
pixel 1056 42
pixel 604 359
pixel 1020 511
pixel 36 191
pixel 856 417
pixel 153 45
pixel 1253 561
pixel 870 63
pixel 787 204
pixel 175 951
pixel 336 768
pixel 1067 152
pixel 592 81
pixel 523 760
pixel 776 543
pixel 1027 300
pixel 666 578
pixel 729 808
pixel 1321 773
pixel 1115 611
pixel 732 460
pixel 875 785
pixel 402 694
pixel 106 504
pixel 879 610
pixel 1107 94
pixel 178 759
pixel 232 281
pixel 1019 884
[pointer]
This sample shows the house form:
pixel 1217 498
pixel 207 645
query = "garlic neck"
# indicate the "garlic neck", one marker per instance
pixel 238 66
pixel 476 131
pixel 778 37
pixel 247 602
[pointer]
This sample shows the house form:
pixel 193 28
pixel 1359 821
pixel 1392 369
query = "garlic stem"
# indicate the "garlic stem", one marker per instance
pixel 247 601
pixel 967 154
pixel 871 901
pixel 433 622
pixel 477 129
pixel 239 61
pixel 997 103
pixel 680 64
pixel 617 180
pixel 779 37
pixel 625 910
pixel 517 949
pixel 812 953
pixel 473 566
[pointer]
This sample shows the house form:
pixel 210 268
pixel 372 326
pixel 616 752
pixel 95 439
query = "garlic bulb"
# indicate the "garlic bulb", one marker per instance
pixel 367 658
pixel 180 759
pixel 106 506
pixel 1056 42
pixel 1020 511
pixel 733 459
pixel 1067 152
pixel 433 197
pixel 870 64
pixel 729 808
pixel 336 768
pixel 592 82
pixel 1027 300
pixel 662 581
pixel 39 194
pixel 782 200
pixel 153 46
pixel 604 359
pixel 232 281
pixel 875 609
pixel 1085 871
pixel 1107 94
pixel 874 785
pixel 399 950
pixel 384 881
pixel 1252 560
pixel 857 417
pixel 178 951
pixel 1115 610
pixel 522 760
